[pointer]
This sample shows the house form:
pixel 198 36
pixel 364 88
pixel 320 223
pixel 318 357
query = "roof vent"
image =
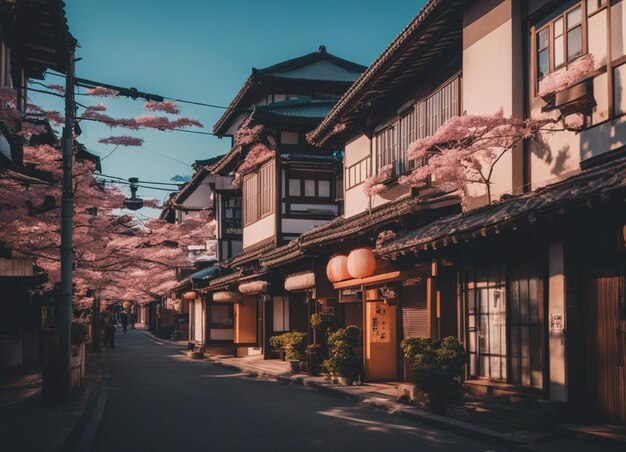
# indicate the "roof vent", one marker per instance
pixel 322 49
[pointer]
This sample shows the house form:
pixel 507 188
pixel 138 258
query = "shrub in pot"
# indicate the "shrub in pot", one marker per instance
pixel 344 361
pixel 438 368
pixel 294 343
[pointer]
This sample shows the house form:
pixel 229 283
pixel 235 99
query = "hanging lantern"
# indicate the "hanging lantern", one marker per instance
pixel 191 295
pixel 361 263
pixel 337 269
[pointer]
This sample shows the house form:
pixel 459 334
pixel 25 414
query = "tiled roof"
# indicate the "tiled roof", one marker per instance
pixel 316 67
pixel 326 70
pixel 346 228
pixel 600 182
pixel 299 107
pixel 409 53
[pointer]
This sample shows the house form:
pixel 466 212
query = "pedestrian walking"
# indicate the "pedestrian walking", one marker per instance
pixel 133 319
pixel 124 321
pixel 108 323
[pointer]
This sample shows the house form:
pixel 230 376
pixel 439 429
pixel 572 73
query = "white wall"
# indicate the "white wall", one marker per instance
pixel 355 201
pixel 490 80
pixel 259 230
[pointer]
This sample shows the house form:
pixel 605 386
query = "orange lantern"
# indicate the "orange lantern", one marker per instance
pixel 189 295
pixel 361 263
pixel 337 268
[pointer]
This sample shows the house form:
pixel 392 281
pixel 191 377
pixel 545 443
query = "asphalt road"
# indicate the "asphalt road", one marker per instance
pixel 159 400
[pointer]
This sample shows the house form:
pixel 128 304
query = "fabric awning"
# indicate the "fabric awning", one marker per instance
pixel 253 287
pixel 226 296
pixel 205 274
pixel 300 281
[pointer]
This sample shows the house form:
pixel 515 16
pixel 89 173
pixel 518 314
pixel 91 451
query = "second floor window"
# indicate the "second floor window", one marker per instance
pixel 259 194
pixel 421 120
pixel 560 40
pixel 309 185
pixel 232 216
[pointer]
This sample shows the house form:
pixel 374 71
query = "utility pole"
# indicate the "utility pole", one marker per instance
pixel 67 219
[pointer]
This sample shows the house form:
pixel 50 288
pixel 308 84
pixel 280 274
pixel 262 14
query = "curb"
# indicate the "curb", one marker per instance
pixel 61 439
pixel 152 337
pixel 406 412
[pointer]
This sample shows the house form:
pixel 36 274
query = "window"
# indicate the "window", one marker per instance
pixel 281 313
pixel 560 40
pixel 258 193
pixel 232 215
pixel 289 137
pixel 308 185
pixel 357 173
pixel 221 315
pixel 422 120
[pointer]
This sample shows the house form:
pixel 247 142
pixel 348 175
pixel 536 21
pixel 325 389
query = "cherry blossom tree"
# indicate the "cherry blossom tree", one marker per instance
pixel 467 148
pixel 249 136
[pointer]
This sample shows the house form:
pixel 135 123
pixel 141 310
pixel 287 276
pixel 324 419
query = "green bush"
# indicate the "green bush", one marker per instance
pixel 343 360
pixel 325 322
pixel 79 333
pixel 293 342
pixel 439 366
pixel 165 332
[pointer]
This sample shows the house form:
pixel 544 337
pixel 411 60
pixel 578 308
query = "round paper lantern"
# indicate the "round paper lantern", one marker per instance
pixel 337 269
pixel 189 295
pixel 361 263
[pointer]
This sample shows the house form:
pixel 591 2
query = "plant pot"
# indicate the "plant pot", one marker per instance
pixel 295 365
pixel 346 381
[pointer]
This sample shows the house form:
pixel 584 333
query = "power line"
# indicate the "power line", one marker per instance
pixel 141 181
pixel 136 94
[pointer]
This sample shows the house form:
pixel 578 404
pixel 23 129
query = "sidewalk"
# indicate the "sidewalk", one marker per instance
pixel 379 395
pixel 26 424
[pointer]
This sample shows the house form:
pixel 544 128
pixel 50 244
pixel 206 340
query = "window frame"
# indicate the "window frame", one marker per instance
pixel 258 196
pixel 231 315
pixel 549 24
pixel 446 97
pixel 354 173
pixel 233 220
pixel 303 175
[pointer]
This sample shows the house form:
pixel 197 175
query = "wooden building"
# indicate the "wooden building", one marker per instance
pixel 295 190
pixel 531 279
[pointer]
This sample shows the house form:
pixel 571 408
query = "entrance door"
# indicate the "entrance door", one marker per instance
pixel 486 302
pixel 604 320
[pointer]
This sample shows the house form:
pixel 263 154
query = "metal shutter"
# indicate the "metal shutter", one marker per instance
pixel 415 311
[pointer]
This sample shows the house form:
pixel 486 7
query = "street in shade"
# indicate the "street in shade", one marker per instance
pixel 159 399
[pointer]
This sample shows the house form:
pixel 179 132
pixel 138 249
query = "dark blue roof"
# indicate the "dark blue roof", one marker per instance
pixel 298 107
pixel 205 274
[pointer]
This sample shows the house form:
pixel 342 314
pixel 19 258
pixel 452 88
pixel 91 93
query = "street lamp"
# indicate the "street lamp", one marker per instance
pixel 133 203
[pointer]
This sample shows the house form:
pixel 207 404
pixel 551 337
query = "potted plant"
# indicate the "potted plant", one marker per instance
pixel 323 323
pixel 314 355
pixel 278 344
pixel 438 368
pixel 344 361
pixel 296 345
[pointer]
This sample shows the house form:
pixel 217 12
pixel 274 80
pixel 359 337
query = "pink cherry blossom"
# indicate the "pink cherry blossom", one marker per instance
pixel 574 72
pixel 374 185
pixel 100 91
pixel 122 140
pixel 166 106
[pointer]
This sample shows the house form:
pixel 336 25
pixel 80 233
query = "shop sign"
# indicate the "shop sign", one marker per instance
pixel 380 323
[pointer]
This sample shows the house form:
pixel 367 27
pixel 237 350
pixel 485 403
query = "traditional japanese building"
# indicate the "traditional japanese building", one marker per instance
pixel 533 273
pixel 33 39
pixel 295 187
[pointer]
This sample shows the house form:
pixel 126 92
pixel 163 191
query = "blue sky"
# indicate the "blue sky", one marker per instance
pixel 203 51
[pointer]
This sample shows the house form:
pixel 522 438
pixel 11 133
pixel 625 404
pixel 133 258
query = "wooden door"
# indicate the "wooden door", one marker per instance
pixel 604 323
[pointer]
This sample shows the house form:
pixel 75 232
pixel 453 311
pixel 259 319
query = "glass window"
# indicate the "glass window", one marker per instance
pixel 324 189
pixel 543 52
pixel 574 43
pixel 294 187
pixel 309 187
